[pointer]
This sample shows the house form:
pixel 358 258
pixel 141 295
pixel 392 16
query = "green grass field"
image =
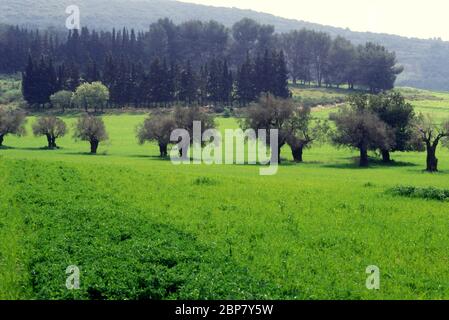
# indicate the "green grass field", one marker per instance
pixel 139 227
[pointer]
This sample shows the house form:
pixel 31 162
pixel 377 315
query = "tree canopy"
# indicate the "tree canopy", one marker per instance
pixel 51 127
pixel 92 129
pixel 158 128
pixel 361 129
pixel 91 96
pixel 11 122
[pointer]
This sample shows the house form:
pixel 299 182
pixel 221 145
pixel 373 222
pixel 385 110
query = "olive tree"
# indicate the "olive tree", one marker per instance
pixel 184 119
pixel 51 127
pixel 399 115
pixel 431 134
pixel 304 131
pixel 270 113
pixel 92 129
pixel 157 128
pixel 62 99
pixel 93 95
pixel 12 121
pixel 361 129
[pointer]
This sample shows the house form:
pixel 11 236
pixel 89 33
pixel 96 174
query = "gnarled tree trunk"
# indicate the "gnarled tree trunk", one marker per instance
pixel 163 150
pixel 432 161
pixel 1 139
pixel 363 157
pixel 297 153
pixel 94 146
pixel 53 143
pixel 386 156
pixel 50 145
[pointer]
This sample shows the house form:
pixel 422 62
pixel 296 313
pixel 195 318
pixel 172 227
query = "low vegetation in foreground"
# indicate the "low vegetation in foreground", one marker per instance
pixel 139 227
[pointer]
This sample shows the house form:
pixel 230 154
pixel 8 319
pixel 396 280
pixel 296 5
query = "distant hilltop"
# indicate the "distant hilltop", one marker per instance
pixel 425 61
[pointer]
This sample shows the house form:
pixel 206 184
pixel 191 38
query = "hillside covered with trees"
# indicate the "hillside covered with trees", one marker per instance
pixel 423 60
pixel 193 62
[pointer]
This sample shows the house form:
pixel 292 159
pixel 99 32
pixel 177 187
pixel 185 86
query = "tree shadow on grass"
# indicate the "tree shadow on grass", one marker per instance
pixel 149 157
pixel 284 162
pixel 100 154
pixel 292 163
pixel 374 163
pixel 144 156
pixel 7 148
pixel 40 149
pixel 422 170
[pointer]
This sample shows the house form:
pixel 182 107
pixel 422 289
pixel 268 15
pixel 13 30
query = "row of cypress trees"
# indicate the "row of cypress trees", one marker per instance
pixel 163 84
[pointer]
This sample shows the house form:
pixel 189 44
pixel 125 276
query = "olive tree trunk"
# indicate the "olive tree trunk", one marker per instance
pixel 94 146
pixel 386 156
pixel 163 150
pixel 432 161
pixel 297 153
pixel 49 141
pixel 53 143
pixel 364 157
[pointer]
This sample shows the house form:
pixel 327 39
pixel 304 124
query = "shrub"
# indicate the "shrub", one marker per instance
pixel 429 193
pixel 62 99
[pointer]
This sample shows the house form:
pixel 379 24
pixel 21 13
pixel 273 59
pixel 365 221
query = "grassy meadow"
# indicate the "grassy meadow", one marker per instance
pixel 140 227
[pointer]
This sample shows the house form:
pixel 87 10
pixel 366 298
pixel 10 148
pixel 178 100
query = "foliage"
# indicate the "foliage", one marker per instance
pixel 431 134
pixel 91 96
pixel 378 68
pixel 429 193
pixel 262 75
pixel 157 128
pixel 12 121
pixel 92 129
pixel 270 113
pixel 185 118
pixel 62 99
pixel 304 131
pixel 10 91
pixel 51 127
pixel 39 81
pixel 193 63
pixel 396 113
pixel 361 129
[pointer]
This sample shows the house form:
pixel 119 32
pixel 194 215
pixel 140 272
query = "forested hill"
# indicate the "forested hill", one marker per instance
pixel 425 61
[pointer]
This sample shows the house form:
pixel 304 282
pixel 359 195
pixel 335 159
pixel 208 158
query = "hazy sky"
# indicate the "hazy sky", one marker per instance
pixel 422 19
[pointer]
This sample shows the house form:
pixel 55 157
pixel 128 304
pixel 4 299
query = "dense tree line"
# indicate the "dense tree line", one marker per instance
pixel 162 85
pixel 314 56
pixel 193 62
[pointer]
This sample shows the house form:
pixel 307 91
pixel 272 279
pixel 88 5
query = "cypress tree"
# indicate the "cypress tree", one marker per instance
pixel 188 87
pixel 29 83
pixel 213 82
pixel 281 77
pixel 245 86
